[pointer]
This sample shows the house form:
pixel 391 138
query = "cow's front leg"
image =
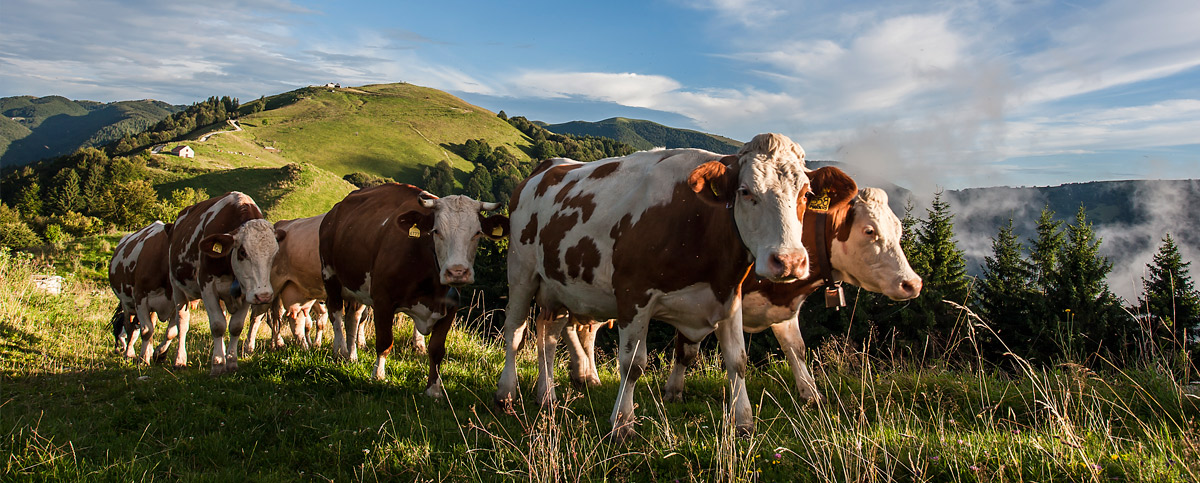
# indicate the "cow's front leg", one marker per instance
pixel 733 353
pixel 516 316
pixel 792 343
pixel 145 331
pixel 237 321
pixel 257 316
pixel 437 352
pixel 218 324
pixel 632 357
pixel 581 345
pixel 686 353
pixel 384 317
pixel 418 343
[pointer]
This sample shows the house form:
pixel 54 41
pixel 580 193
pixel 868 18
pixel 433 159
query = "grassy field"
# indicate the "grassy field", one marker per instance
pixel 71 410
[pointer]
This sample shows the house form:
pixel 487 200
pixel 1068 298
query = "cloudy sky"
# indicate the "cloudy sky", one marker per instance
pixel 952 94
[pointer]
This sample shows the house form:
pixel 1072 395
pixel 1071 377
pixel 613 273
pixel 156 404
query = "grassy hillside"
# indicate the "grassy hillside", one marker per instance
pixel 392 130
pixel 56 125
pixel 280 194
pixel 646 134
pixel 73 411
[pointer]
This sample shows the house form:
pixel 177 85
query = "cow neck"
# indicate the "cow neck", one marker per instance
pixel 824 261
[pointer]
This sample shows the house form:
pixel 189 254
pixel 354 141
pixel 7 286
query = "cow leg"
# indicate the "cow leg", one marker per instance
pixel 733 353
pixel 276 322
pixel 792 343
pixel 337 310
pixel 319 316
pixel 363 318
pixel 356 315
pixel 177 328
pixel 418 344
pixel 257 315
pixel 520 295
pixel 385 317
pixel 549 328
pixel 437 352
pixel 686 353
pixel 632 357
pixel 581 345
pixel 145 331
pixel 127 323
pixel 218 324
pixel 237 321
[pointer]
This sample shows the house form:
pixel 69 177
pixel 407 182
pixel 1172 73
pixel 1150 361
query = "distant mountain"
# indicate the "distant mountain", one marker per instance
pixel 35 128
pixel 646 134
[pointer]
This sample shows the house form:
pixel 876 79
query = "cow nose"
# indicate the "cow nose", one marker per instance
pixel 458 275
pixel 911 288
pixel 788 265
pixel 262 297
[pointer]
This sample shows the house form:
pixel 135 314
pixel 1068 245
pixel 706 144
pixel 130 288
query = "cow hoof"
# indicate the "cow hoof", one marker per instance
pixel 435 392
pixel 420 350
pixel 745 430
pixel 231 366
pixel 217 370
pixel 623 433
pixel 180 364
pixel 160 357
pixel 504 404
pixel 672 395
pixel 585 382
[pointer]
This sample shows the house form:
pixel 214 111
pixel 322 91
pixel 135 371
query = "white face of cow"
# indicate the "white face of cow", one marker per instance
pixel 457 228
pixel 253 250
pixel 771 187
pixel 871 257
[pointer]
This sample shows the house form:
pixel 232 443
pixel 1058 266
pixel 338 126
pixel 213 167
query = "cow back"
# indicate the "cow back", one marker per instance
pixel 222 214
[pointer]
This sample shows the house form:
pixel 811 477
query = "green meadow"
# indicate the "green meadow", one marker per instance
pixel 72 410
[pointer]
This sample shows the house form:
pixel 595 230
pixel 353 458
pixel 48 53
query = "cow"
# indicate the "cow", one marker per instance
pixel 220 252
pixel 138 276
pixel 853 237
pixel 296 282
pixel 398 248
pixel 663 234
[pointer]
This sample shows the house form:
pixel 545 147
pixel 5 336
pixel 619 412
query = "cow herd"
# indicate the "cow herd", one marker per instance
pixel 704 242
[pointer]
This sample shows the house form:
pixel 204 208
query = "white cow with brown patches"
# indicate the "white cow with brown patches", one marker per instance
pixel 668 235
pixel 220 252
pixel 138 276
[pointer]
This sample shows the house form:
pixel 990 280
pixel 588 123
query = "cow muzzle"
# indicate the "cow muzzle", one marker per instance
pixel 784 266
pixel 909 289
pixel 458 275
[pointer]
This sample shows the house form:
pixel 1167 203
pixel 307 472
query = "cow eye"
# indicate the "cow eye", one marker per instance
pixel 869 231
pixel 435 232
pixel 746 195
pixel 242 252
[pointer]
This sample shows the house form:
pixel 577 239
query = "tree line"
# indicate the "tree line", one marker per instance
pixel 197 115
pixel 1046 302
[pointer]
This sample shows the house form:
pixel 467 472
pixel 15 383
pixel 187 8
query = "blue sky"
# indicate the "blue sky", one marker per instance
pixel 952 94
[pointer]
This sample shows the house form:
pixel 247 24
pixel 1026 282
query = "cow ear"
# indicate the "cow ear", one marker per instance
pixel 417 224
pixel 715 181
pixel 831 188
pixel 167 228
pixel 494 227
pixel 217 246
pixel 280 235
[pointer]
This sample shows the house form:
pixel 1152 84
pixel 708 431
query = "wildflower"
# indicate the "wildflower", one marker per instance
pixel 1094 466
pixel 934 458
pixel 1114 457
pixel 366 451
pixel 974 468
pixel 778 456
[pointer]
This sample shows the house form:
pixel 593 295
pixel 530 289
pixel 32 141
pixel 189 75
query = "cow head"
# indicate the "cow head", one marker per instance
pixel 251 249
pixel 766 187
pixel 455 226
pixel 866 251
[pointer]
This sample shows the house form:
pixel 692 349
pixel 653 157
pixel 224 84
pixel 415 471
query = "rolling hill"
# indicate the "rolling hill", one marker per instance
pixel 35 128
pixel 646 134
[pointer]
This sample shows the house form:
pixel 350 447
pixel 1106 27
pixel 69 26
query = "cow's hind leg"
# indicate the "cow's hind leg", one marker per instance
pixel 733 354
pixel 336 305
pixel 686 353
pixel 550 326
pixel 581 345
pixel 258 314
pixel 516 316
pixel 385 316
pixel 237 321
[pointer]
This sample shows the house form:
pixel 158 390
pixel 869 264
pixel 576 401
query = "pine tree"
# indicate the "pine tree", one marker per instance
pixel 1007 292
pixel 64 192
pixel 1092 317
pixel 1168 294
pixel 1044 316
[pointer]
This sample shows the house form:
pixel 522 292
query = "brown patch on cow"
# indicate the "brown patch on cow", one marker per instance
pixel 605 170
pixel 551 237
pixel 584 202
pixel 564 191
pixel 529 233
pixel 621 227
pixel 673 246
pixel 554 176
pixel 582 260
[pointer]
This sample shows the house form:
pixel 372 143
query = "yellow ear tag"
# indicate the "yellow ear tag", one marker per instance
pixel 713 187
pixel 498 231
pixel 414 232
pixel 217 248
pixel 820 203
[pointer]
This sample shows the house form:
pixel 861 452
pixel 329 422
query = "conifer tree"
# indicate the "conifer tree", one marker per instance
pixel 934 255
pixel 64 192
pixel 1168 294
pixel 1007 293
pixel 1092 318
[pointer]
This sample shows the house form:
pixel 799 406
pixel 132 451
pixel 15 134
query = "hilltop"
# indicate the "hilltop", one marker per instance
pixel 34 128
pixel 647 134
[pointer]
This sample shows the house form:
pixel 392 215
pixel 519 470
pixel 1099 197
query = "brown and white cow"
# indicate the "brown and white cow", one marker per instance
pixel 220 252
pixel 665 234
pixel 138 275
pixel 398 248
pixel 296 282
pixel 852 236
